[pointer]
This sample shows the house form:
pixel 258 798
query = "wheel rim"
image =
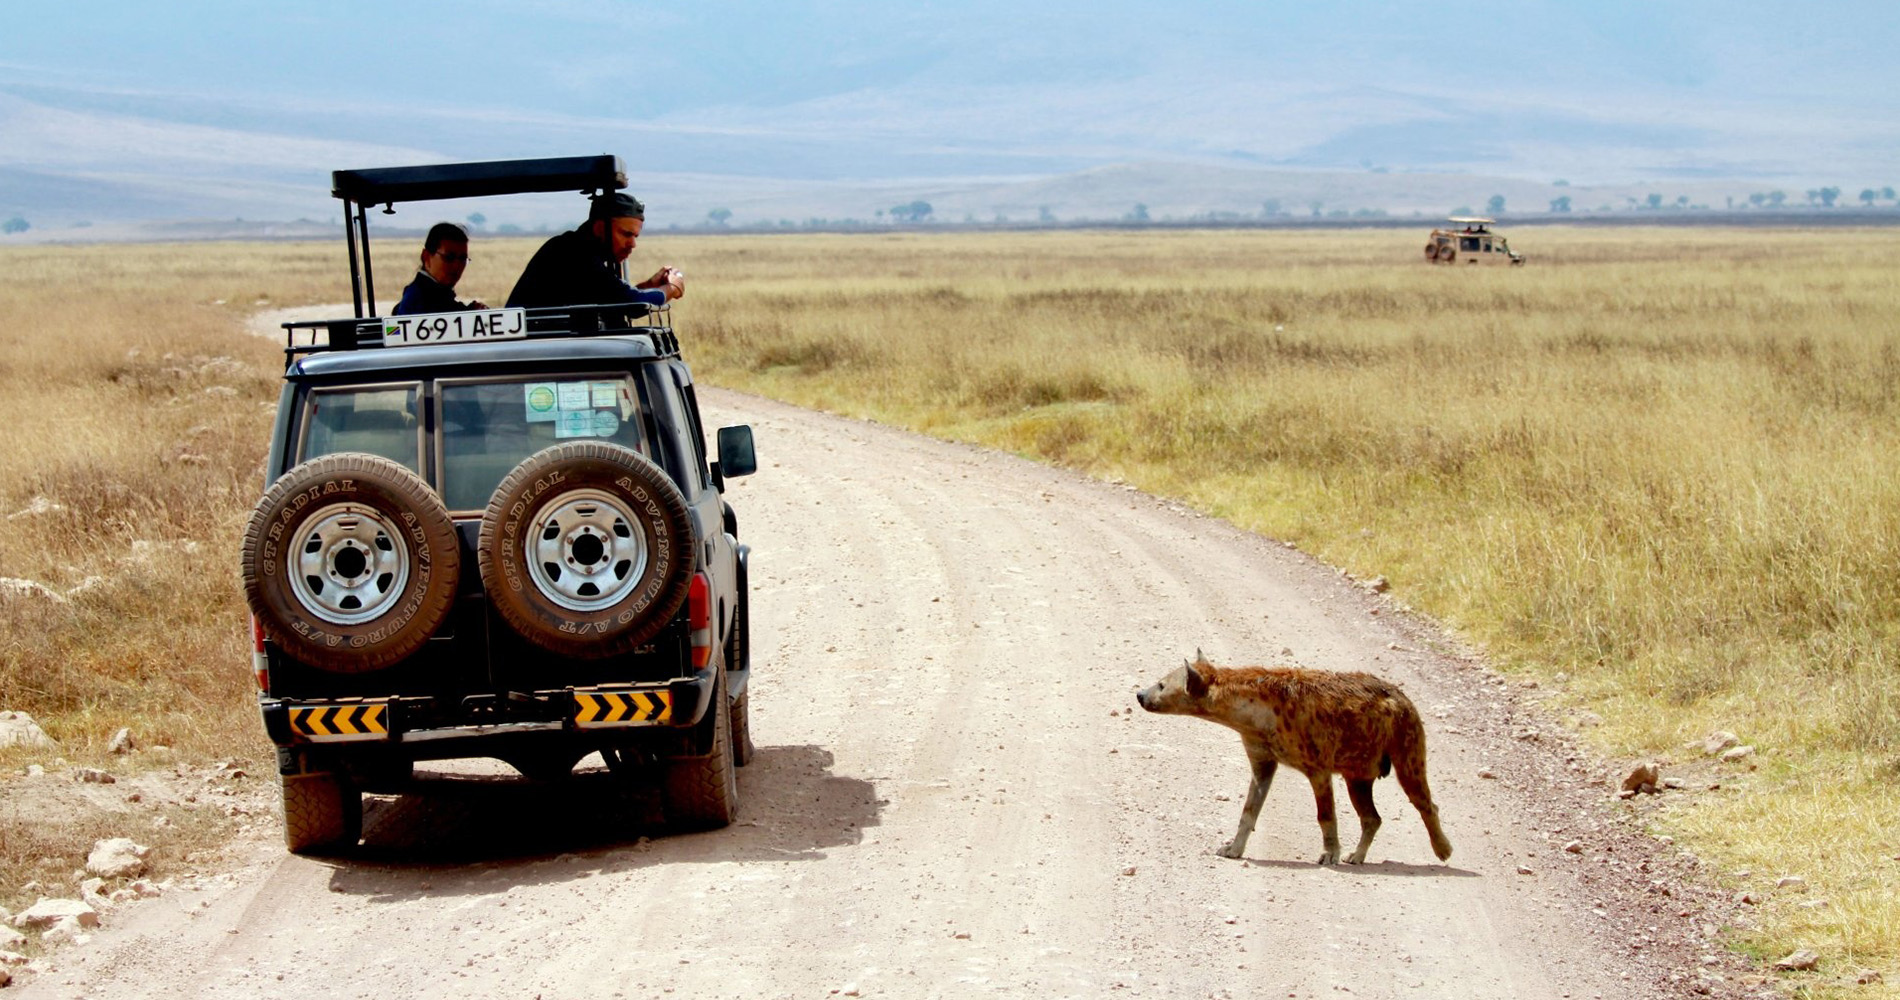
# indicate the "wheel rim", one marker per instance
pixel 352 566
pixel 586 554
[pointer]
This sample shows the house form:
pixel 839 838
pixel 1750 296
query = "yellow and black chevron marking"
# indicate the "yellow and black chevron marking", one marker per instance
pixel 341 722
pixel 621 708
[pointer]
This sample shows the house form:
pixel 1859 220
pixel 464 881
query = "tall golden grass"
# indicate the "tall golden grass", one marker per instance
pixel 1652 468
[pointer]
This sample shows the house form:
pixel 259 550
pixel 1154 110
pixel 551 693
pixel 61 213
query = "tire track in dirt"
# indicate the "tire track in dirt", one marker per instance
pixel 955 795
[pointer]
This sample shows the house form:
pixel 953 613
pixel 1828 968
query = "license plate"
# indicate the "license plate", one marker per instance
pixel 455 327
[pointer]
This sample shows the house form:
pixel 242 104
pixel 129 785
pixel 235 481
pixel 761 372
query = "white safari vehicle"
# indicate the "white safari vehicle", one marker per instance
pixel 1469 241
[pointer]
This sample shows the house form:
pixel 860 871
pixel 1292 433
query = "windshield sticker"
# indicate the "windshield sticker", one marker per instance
pixel 573 395
pixel 575 424
pixel 606 395
pixel 540 400
pixel 606 423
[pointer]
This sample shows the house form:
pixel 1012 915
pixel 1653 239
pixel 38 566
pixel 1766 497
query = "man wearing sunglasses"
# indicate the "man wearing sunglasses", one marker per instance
pixel 444 256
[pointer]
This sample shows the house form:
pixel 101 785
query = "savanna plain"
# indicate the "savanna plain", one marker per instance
pixel 1652 471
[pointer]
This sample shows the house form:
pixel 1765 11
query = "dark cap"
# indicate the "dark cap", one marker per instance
pixel 616 205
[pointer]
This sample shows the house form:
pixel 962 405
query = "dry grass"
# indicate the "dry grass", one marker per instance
pixel 1653 468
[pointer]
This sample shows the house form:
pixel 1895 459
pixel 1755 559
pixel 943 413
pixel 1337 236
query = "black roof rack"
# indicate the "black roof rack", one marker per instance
pixel 388 185
pixel 352 334
pixel 359 189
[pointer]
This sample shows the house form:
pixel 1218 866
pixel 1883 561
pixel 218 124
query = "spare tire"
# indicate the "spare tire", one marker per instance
pixel 1431 251
pixel 586 549
pixel 350 562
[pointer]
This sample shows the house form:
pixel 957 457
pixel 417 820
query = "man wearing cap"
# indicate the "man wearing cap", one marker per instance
pixel 444 257
pixel 582 267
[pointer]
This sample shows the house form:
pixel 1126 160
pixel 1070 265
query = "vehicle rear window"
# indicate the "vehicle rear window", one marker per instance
pixel 380 420
pixel 489 427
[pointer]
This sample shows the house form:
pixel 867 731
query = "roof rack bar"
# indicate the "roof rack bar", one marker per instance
pixel 369 274
pixel 356 277
pixel 544 323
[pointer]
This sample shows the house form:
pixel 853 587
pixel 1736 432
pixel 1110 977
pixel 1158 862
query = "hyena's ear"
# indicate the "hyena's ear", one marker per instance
pixel 1197 679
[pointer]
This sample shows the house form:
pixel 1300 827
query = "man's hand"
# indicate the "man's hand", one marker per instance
pixel 477 304
pixel 670 278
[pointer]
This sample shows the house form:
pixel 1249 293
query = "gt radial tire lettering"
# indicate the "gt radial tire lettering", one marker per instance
pixel 314 492
pixel 657 512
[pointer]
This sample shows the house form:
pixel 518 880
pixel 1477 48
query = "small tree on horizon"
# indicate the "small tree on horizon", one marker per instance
pixel 1495 206
pixel 477 220
pixel 916 211
pixel 1137 214
pixel 1560 204
pixel 17 224
pixel 719 217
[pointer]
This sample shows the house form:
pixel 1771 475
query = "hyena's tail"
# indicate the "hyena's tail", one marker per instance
pixel 1407 757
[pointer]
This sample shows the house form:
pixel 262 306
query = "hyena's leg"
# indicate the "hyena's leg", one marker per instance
pixel 1361 791
pixel 1409 766
pixel 1263 768
pixel 1328 826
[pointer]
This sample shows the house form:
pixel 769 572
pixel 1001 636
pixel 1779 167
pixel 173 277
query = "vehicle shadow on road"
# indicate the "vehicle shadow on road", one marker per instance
pixel 474 834
pixel 1397 868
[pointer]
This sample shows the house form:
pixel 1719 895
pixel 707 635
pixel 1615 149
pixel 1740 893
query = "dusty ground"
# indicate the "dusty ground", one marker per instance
pixel 955 795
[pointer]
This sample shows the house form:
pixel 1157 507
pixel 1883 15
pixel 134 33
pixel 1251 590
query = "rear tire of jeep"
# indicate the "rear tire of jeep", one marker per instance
pixel 1431 251
pixel 702 793
pixel 1449 255
pixel 743 749
pixel 350 562
pixel 323 814
pixel 586 549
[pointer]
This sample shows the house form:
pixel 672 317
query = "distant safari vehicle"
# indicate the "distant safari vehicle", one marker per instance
pixel 1470 244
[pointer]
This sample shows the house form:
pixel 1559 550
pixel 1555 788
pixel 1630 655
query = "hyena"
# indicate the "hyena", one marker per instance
pixel 1318 722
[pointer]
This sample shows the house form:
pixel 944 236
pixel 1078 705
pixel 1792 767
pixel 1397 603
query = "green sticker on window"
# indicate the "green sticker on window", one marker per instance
pixel 540 397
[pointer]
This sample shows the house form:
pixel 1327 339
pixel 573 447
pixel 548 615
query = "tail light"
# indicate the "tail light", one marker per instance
pixel 699 619
pixel 260 664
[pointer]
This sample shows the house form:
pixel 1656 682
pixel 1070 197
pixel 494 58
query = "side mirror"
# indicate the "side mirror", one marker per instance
pixel 736 457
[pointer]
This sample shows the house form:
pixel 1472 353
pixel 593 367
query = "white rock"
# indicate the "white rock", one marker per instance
pixel 121 741
pixel 1717 742
pixel 117 858
pixel 50 911
pixel 67 930
pixel 10 938
pixel 17 729
pixel 16 587
pixel 1733 754
pixel 12 958
pixel 1791 882
pixel 37 505
pixel 94 776
pixel 1800 961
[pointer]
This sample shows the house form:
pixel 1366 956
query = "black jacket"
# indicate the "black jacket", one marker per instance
pixel 573 269
pixel 427 295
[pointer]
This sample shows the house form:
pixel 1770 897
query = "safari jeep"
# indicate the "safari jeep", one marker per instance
pixel 494 534
pixel 1475 243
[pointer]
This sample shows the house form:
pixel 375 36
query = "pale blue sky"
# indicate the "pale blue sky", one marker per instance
pixel 857 90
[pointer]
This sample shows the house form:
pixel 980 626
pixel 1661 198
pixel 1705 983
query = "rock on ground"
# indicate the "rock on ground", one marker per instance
pixel 117 858
pixel 19 729
pixel 50 911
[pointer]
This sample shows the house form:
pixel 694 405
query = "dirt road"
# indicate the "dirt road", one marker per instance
pixel 955 795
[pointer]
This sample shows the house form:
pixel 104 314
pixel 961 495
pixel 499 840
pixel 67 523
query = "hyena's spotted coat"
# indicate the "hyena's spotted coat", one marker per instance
pixel 1318 722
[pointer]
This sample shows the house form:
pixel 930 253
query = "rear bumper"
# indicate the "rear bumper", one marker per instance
pixel 676 704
